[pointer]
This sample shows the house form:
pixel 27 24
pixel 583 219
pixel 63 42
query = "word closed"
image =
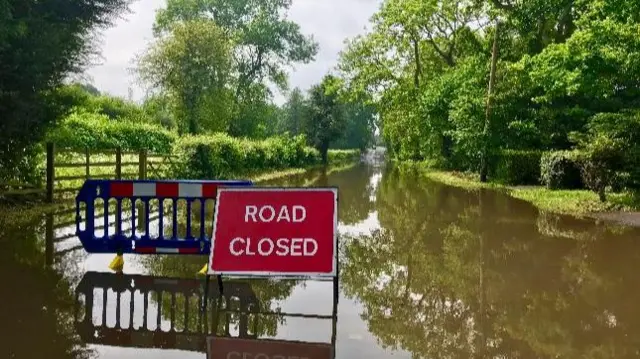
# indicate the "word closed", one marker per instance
pixel 236 348
pixel 289 231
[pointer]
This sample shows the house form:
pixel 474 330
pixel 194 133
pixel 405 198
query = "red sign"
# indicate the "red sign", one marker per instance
pixel 275 231
pixel 236 348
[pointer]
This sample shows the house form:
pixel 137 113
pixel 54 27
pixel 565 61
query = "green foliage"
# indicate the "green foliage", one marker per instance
pixel 88 98
pixel 159 109
pixel 343 156
pixel 220 156
pixel 41 43
pixel 256 118
pixel 467 113
pixel 193 65
pixel 610 153
pixel 354 117
pixel 264 43
pixel 425 65
pixel 82 130
pixel 623 130
pixel 560 170
pixel 265 39
pixel 114 107
pixel 325 121
pixel 599 159
pixel 295 113
pixel 359 126
pixel 516 167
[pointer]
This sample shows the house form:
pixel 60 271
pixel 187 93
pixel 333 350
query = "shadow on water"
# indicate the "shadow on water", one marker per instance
pixel 427 271
pixel 36 313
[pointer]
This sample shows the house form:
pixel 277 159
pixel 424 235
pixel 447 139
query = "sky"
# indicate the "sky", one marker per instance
pixel 329 21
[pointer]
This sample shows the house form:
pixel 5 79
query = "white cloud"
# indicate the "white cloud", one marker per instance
pixel 329 21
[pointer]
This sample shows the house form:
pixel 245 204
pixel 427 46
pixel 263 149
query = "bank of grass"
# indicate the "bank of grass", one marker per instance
pixel 572 202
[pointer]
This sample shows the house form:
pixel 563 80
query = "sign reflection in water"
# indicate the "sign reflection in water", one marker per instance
pixel 194 325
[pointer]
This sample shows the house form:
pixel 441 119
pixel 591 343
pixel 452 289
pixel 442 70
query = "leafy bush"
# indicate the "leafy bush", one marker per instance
pixel 561 170
pixel 516 167
pixel 599 161
pixel 82 130
pixel 619 133
pixel 343 156
pixel 220 156
pixel 114 107
pixel 24 167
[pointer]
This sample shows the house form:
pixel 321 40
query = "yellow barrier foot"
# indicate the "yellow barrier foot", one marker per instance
pixel 117 264
pixel 203 271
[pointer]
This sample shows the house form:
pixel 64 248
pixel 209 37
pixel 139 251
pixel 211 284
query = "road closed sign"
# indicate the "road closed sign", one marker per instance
pixel 275 231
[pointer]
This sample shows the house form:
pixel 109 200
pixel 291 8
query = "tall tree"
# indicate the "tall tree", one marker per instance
pixel 41 43
pixel 295 112
pixel 265 41
pixel 411 45
pixel 359 126
pixel 193 64
pixel 325 122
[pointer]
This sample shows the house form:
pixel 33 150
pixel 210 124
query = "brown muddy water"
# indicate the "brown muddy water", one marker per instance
pixel 427 271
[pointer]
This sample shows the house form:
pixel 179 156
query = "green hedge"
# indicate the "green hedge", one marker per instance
pixel 561 170
pixel 516 167
pixel 220 156
pixel 200 157
pixel 82 130
pixel 343 156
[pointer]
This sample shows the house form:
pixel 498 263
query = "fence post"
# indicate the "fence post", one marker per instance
pixel 118 163
pixel 50 170
pixel 87 160
pixel 49 247
pixel 142 165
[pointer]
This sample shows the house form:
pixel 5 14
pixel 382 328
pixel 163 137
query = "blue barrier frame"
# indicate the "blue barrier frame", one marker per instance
pixel 145 191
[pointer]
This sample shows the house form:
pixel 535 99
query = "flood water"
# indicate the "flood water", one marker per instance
pixel 426 271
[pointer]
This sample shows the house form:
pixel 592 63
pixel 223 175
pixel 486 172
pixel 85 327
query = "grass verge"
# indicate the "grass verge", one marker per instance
pixel 572 202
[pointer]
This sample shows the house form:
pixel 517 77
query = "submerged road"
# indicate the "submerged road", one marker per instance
pixel 427 271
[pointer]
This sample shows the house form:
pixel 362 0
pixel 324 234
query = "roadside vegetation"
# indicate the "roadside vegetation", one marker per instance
pixel 532 93
pixel 575 202
pixel 209 101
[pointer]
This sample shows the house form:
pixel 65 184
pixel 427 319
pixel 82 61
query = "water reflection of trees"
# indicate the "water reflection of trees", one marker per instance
pixel 38 303
pixel 354 192
pixel 354 188
pixel 476 274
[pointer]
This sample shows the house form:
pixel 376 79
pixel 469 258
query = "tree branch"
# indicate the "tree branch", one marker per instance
pixel 502 6
pixel 446 57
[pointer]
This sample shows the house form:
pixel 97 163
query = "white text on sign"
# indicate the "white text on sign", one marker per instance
pixel 295 247
pixel 267 214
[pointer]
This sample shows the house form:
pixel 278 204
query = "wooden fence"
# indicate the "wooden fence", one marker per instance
pixel 67 169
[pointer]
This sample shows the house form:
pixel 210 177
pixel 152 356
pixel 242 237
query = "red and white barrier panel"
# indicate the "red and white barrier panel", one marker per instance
pixel 163 189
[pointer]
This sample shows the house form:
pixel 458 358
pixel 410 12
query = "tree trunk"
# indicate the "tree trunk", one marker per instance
pixel 602 193
pixel 484 165
pixel 418 70
pixel 324 152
